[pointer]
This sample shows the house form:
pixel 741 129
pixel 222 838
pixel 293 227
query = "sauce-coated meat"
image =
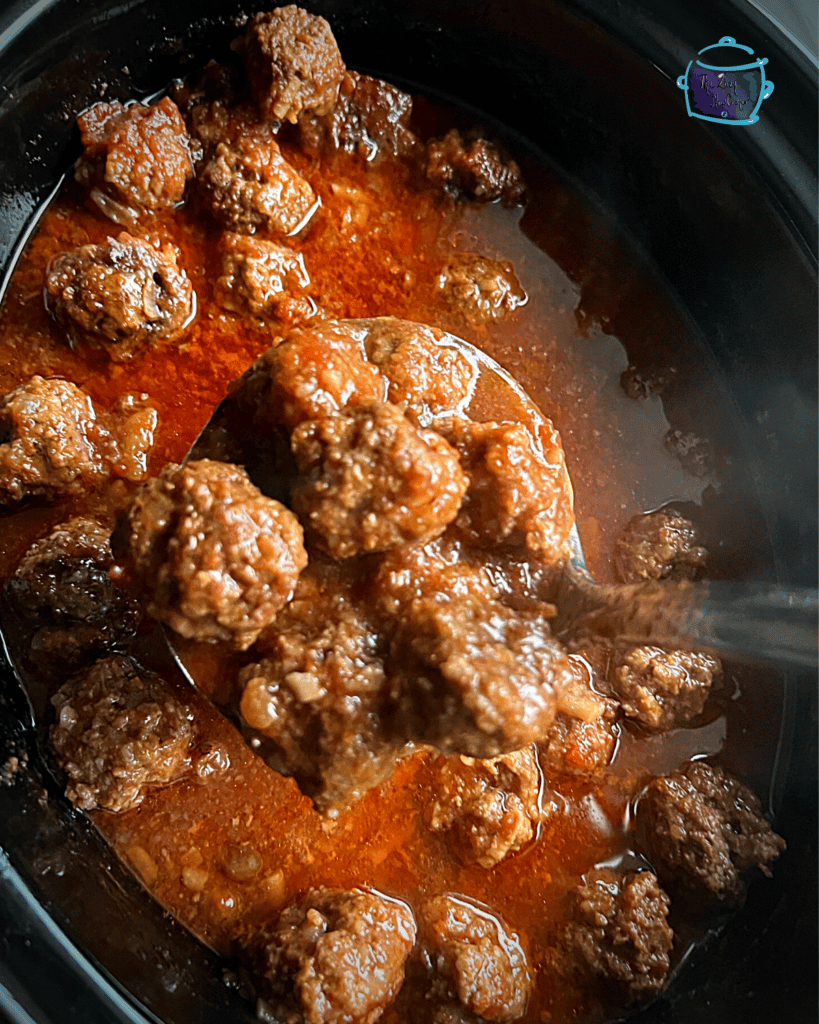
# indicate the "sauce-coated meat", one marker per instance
pixel 263 278
pixel 656 546
pixel 480 289
pixel 473 167
pixel 662 689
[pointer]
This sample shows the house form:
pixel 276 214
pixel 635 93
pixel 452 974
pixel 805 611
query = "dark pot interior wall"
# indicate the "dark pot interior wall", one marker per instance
pixel 727 217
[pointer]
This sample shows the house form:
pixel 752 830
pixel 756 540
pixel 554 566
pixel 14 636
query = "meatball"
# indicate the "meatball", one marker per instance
pixel 582 748
pixel 263 278
pixel 428 373
pixel 318 693
pixel 656 546
pixel 62 592
pixel 122 295
pixel 704 830
pixel 479 289
pixel 487 809
pixel 292 62
pixel 474 677
pixel 662 689
pixel 369 117
pixel 118 732
pixel 472 167
pixel 518 490
pixel 478 960
pixel 47 441
pixel 216 558
pixel 371 480
pixel 618 934
pixel 138 156
pixel 335 957
pixel 249 185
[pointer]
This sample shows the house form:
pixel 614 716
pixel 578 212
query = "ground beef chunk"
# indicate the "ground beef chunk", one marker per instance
pixel 486 809
pixel 292 62
pixel 428 373
pixel 138 156
pixel 369 117
pixel 662 689
pixel 62 592
pixel 123 294
pixel 371 480
pixel 479 289
pixel 216 558
pixel 317 693
pixel 656 546
pixel 263 278
pixel 47 441
pixel 477 959
pixel 474 677
pixel 249 185
pixel 578 747
pixel 335 957
pixel 518 489
pixel 470 166
pixel 314 372
pixel 118 732
pixel 618 934
pixel 704 830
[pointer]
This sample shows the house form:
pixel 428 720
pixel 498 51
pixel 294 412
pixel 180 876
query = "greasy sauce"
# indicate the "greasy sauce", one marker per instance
pixel 225 847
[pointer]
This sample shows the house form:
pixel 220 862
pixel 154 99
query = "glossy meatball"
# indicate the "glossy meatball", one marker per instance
pixel 215 557
pixel 656 546
pixel 662 689
pixel 262 278
pixel 122 295
pixel 472 167
pixel 480 289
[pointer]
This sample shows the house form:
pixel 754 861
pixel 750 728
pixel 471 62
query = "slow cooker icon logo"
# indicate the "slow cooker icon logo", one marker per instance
pixel 726 83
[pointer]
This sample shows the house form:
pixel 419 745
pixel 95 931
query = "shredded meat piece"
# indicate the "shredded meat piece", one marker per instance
pixel 263 278
pixel 704 830
pixel 478 960
pixel 216 558
pixel 318 693
pixel 486 809
pixel 334 957
pixel 662 689
pixel 118 732
pixel 369 117
pixel 618 934
pixel 137 155
pixel 292 62
pixel 656 546
pixel 480 289
pixel 122 295
pixel 472 167
pixel 515 491
pixel 249 185
pixel 370 480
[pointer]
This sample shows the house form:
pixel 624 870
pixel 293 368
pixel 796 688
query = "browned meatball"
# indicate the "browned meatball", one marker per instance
pixel 139 156
pixel 47 440
pixel 474 677
pixel 335 957
pixel 371 480
pixel 479 289
pixel 479 961
pixel 292 62
pixel 263 278
pixel 518 490
pixel 704 830
pixel 579 747
pixel 369 117
pixel 318 693
pixel 472 167
pixel 118 732
pixel 662 689
pixel 61 590
pixel 216 558
pixel 428 373
pixel 486 809
pixel 249 185
pixel 618 934
pixel 122 295
pixel 656 546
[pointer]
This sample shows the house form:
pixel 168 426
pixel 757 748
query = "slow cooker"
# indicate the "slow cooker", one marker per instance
pixel 728 221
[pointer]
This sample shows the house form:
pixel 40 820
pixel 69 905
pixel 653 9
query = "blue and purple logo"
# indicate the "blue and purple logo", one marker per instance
pixel 726 83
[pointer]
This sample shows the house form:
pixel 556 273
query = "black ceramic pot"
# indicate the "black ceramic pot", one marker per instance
pixel 727 217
